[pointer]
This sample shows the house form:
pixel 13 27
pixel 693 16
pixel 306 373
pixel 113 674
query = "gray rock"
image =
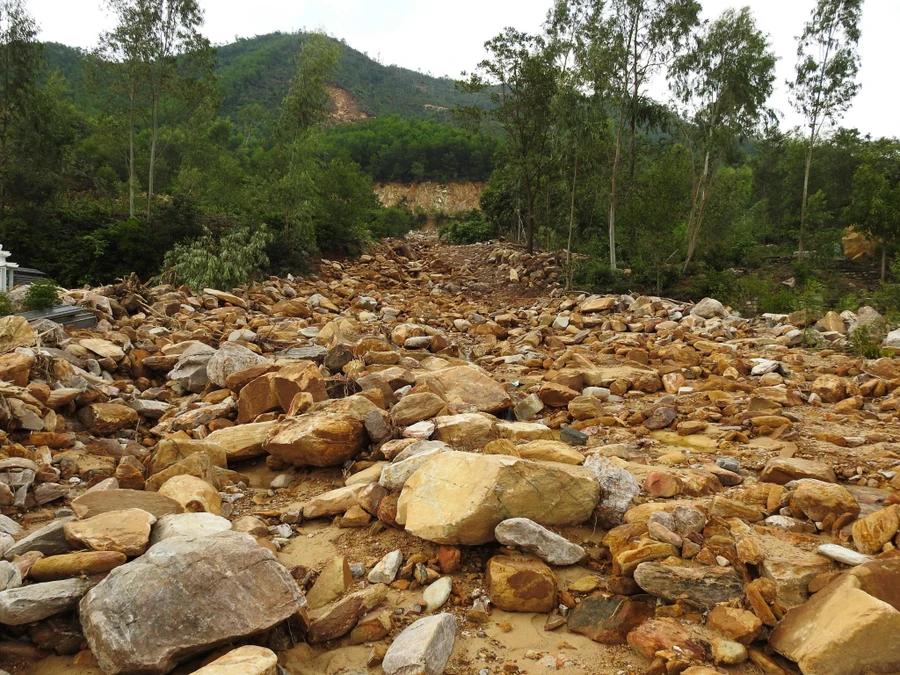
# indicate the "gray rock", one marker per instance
pixel 706 585
pixel 729 464
pixel 618 489
pixel 394 475
pixel 538 540
pixel 9 526
pixel 149 408
pixel 667 520
pixel 844 555
pixel 386 570
pixel 573 436
pixel 28 604
pixel 688 520
pixel 10 576
pixel 49 540
pixel 437 594
pixel 6 543
pixel 422 649
pixel 188 525
pixel 230 358
pixel 528 408
pixel 183 597
pixel 892 339
pixel 190 371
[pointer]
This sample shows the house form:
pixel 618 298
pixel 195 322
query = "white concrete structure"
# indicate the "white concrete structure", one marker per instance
pixel 7 270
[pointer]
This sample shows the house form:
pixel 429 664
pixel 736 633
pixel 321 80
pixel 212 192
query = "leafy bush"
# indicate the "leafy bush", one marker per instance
pixel 811 298
pixel 5 304
pixel 802 271
pixel 468 228
pixel 865 341
pixel 780 301
pixel 223 263
pixel 392 222
pixel 42 294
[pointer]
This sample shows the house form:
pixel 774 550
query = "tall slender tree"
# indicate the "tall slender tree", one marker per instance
pixel 875 205
pixel 521 80
pixel 825 82
pixel 160 63
pixel 21 62
pixel 633 40
pixel 722 86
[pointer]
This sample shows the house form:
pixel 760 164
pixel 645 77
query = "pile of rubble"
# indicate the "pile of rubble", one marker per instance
pixel 400 462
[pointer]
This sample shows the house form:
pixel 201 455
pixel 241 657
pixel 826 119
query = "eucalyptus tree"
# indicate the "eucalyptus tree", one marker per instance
pixel 629 42
pixel 307 102
pixel 721 85
pixel 21 64
pixel 304 108
pixel 825 81
pixel 875 205
pixel 520 79
pixel 164 67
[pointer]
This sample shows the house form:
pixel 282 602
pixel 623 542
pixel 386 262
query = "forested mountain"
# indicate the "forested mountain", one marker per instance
pixel 259 70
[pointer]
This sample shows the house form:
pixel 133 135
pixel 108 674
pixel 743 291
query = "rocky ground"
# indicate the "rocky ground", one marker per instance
pixel 432 459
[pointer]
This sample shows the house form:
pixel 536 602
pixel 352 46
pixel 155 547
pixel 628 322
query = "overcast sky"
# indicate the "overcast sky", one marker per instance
pixel 448 37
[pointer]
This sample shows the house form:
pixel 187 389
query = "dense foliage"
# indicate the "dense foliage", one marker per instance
pixel 396 149
pixel 155 142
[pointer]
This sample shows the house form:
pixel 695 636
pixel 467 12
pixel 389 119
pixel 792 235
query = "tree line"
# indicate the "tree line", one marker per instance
pixel 700 180
pixel 148 157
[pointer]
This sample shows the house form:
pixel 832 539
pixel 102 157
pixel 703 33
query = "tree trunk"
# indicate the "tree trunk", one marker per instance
pixel 803 205
pixel 883 261
pixel 612 199
pixel 571 222
pixel 131 170
pixel 529 215
pixel 154 132
pixel 696 217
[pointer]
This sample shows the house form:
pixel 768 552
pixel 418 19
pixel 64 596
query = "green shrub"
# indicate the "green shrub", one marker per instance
pixel 41 295
pixel 223 263
pixel 850 302
pixel 780 301
pixel 865 341
pixel 468 228
pixel 802 271
pixel 5 305
pixel 811 298
pixel 392 222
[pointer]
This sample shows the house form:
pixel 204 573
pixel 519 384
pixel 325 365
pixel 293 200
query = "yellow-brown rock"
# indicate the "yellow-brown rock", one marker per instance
pixel 107 418
pixel 871 533
pixel 460 497
pixel 520 584
pixel 126 531
pixel 317 439
pixel 70 565
pixel 193 493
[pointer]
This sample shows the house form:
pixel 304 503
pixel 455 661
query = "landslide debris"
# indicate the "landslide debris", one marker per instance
pixel 435 458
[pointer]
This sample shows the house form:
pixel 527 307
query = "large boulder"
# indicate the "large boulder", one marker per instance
pixel 709 308
pixel 461 497
pixel 467 387
pixel 185 596
pixel 243 441
pixel 848 628
pixel 321 439
pixel 229 359
pixel 190 370
pixel 15 332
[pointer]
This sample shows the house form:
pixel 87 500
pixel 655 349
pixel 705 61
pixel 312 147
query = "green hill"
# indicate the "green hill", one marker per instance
pixel 259 70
